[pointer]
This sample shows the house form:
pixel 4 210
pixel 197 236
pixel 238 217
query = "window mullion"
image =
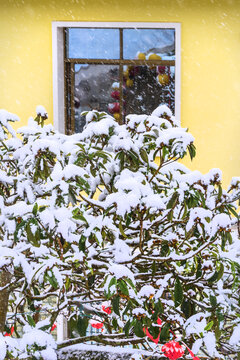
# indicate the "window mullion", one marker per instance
pixel 134 62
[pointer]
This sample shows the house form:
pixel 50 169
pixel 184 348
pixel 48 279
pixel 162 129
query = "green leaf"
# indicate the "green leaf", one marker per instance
pixel 123 287
pixel 213 301
pixel 229 238
pixel 134 160
pixel 192 151
pixel 79 217
pixel 164 335
pixel 217 275
pixel 52 280
pixel 214 277
pixel 91 279
pixel 164 249
pixel 37 235
pixel 128 221
pixel 121 157
pixel 170 216
pixel 81 243
pixel 185 210
pixel 143 155
pixel 42 208
pixel 233 211
pixel 112 282
pixel 46 171
pixel 18 227
pixel 129 306
pixel 82 325
pixel 114 323
pixel 203 202
pixel 31 321
pixel 154 331
pixel 154 268
pixel 107 211
pixel 220 271
pixel 35 209
pixel 186 308
pixel 172 202
pixel 36 291
pixel 178 293
pixel 121 230
pixel 115 304
pixel 35 176
pixel 165 152
pixel 138 329
pixel 45 327
pixel 93 171
pixel 30 235
pixel 199 268
pixel 209 326
pixel 220 316
pixel 67 283
pixel 155 154
pixel 216 328
pixel 31 238
pixel 127 327
pixel 129 281
pixel 158 308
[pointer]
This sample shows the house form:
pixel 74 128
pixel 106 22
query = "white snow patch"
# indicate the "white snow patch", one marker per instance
pixel 40 110
pixel 147 291
pixel 121 271
pixel 235 338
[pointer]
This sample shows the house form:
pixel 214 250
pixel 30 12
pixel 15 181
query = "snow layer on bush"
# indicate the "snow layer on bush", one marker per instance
pixel 121 271
pixel 40 110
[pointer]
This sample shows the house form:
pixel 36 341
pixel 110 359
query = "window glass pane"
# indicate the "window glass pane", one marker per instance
pixel 148 41
pixel 146 87
pixel 94 85
pixel 93 43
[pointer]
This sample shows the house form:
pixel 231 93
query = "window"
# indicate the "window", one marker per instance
pixel 120 68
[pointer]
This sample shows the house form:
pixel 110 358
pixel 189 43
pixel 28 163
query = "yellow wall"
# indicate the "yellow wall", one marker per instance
pixel 210 63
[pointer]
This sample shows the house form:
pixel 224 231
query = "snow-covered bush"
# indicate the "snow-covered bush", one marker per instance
pixel 108 228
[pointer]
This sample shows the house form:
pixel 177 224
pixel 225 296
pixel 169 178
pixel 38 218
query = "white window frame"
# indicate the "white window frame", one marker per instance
pixel 58 60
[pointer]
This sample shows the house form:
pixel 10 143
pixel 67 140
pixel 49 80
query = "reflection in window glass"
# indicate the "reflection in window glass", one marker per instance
pixel 145 87
pixel 93 89
pixel 93 43
pixel 147 41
